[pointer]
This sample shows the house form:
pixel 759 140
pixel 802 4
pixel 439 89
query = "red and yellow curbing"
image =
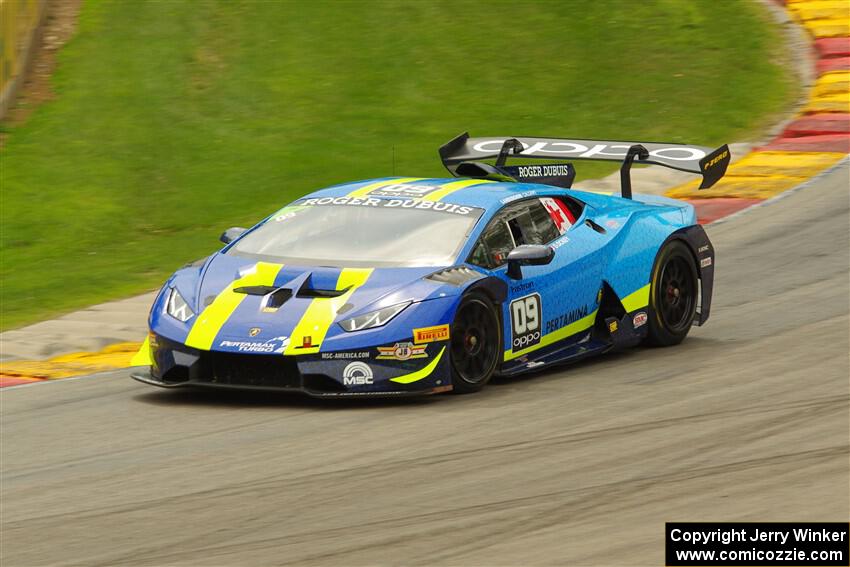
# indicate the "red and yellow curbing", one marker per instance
pixel 812 143
pixel 16 372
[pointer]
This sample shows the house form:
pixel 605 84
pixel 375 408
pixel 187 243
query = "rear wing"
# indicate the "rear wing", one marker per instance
pixel 462 154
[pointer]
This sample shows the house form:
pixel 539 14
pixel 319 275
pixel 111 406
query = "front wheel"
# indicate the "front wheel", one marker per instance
pixel 475 343
pixel 672 295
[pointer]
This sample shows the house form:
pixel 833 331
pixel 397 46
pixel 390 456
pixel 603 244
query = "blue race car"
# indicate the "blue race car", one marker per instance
pixel 402 286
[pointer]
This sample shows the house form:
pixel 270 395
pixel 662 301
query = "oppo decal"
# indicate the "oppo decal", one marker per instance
pixel 572 149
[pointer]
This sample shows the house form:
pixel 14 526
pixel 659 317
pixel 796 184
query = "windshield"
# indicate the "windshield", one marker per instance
pixel 346 231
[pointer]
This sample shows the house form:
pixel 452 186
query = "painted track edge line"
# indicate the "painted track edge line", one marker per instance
pixel 60 380
pixel 845 161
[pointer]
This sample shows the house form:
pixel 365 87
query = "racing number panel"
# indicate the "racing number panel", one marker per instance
pixel 526 324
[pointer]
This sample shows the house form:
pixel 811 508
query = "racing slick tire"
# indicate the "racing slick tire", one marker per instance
pixel 672 295
pixel 476 341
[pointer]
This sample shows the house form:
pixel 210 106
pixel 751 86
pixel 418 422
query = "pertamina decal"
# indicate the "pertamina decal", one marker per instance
pixel 275 345
pixel 565 319
pixel 402 351
pixel 526 316
pixel 431 334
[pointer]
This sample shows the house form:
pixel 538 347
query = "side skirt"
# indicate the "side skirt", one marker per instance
pixel 568 350
pixel 613 329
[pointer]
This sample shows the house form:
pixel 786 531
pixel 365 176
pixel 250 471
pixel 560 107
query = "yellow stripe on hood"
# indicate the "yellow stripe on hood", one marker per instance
pixel 215 315
pixel 321 313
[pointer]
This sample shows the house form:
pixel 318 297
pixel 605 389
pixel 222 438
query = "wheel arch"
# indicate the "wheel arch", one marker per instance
pixel 702 251
pixel 496 290
pixel 491 286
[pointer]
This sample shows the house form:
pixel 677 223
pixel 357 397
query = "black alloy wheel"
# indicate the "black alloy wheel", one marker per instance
pixel 475 343
pixel 673 295
pixel 678 294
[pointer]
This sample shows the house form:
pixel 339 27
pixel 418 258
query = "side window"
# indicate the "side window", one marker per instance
pixel 563 212
pixel 541 227
pixel 530 221
pixel 493 247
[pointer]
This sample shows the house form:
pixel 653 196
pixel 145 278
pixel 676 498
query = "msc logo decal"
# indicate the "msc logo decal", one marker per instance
pixel 431 334
pixel 357 374
pixel 525 321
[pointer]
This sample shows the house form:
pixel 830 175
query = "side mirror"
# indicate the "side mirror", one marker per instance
pixel 530 255
pixel 232 234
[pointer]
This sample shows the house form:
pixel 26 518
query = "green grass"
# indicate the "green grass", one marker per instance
pixel 175 120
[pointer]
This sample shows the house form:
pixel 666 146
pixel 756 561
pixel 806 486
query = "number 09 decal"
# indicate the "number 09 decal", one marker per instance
pixel 526 314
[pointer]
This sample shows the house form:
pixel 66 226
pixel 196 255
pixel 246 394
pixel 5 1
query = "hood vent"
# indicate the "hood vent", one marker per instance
pixel 275 296
pixel 310 292
pixel 255 289
pixel 454 276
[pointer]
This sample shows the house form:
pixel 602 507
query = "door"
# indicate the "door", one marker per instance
pixel 552 306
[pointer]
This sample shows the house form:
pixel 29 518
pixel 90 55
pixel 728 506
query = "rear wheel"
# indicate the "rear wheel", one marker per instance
pixel 475 343
pixel 673 295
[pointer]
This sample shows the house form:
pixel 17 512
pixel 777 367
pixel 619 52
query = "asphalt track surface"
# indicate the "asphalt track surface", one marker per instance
pixel 747 420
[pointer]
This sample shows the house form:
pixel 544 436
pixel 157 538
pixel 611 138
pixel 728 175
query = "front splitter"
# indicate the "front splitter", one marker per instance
pixel 146 377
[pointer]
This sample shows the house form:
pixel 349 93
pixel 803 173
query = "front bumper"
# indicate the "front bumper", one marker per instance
pixel 144 376
pixel 321 375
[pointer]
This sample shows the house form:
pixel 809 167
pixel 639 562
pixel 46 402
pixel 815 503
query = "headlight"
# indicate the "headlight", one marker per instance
pixel 177 307
pixel 373 319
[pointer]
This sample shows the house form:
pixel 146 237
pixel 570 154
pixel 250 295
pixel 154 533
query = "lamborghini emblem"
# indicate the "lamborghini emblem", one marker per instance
pixel 254 331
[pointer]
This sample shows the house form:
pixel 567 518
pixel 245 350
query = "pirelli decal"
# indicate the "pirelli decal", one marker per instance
pixel 215 315
pixel 310 331
pixel 430 334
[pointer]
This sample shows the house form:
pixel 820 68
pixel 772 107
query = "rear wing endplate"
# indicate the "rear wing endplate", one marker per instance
pixel 710 164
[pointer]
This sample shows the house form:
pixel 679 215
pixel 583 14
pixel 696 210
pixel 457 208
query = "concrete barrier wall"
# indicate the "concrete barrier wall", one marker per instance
pixel 20 23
